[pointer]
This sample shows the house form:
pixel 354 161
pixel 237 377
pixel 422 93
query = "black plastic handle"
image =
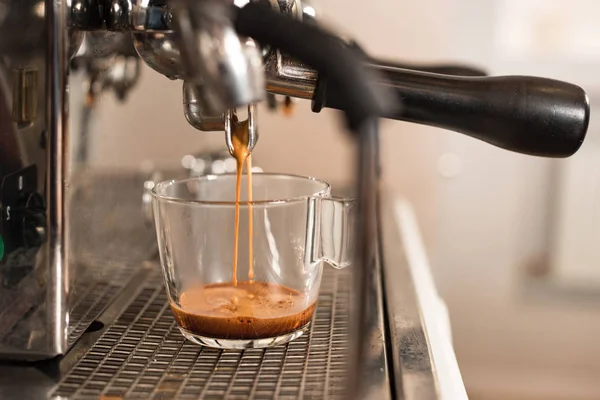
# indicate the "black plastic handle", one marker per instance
pixel 444 69
pixel 529 115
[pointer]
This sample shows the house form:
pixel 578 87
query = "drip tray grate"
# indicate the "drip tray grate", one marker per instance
pixel 143 355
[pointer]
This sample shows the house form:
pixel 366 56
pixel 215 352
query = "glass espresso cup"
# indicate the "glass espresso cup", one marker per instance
pixel 291 226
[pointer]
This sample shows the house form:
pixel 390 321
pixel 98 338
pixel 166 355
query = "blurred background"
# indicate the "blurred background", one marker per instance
pixel 510 237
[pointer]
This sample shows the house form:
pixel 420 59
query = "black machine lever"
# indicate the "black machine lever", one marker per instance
pixel 529 115
pixel 444 69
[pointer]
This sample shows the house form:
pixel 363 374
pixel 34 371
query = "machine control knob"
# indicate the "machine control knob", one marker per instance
pixel 33 220
pixel 26 227
pixel 29 220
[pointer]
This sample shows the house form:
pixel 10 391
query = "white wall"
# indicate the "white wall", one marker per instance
pixel 493 222
pixel 483 224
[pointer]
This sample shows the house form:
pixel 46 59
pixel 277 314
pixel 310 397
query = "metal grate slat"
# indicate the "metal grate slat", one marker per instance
pixel 143 355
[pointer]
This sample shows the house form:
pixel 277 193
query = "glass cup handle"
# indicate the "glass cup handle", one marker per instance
pixel 337 226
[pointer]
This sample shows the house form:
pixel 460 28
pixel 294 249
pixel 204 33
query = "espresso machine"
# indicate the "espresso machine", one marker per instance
pixel 73 305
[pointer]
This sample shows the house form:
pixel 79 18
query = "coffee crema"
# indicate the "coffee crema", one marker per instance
pixel 247 310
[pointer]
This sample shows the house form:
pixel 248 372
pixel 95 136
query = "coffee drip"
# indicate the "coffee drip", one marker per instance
pixel 242 154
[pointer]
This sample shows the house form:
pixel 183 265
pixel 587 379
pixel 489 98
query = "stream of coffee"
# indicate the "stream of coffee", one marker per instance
pixel 241 153
pixel 250 222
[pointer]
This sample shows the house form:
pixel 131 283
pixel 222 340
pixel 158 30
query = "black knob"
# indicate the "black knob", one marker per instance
pixel 529 115
pixel 87 15
pixel 33 222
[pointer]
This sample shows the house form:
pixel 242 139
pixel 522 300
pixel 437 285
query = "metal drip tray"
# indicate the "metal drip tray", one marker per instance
pixel 133 348
pixel 143 355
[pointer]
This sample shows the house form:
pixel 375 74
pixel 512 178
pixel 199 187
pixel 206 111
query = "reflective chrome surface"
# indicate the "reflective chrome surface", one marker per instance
pixel 432 368
pixel 25 96
pixel 231 120
pixel 57 185
pixel 289 77
pixel 365 268
pixel 152 36
pixel 195 115
pixel 149 15
pixel 212 52
pixel 225 70
pixel 413 369
pixel 103 44
pixel 159 51
pixel 86 14
pixel 76 39
pixel 32 284
pixel 38 181
pixel 119 15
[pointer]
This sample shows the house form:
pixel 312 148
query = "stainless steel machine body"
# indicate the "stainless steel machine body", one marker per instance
pixel 43 165
pixel 35 282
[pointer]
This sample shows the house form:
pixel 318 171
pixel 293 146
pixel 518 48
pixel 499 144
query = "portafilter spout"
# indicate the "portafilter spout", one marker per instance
pixel 226 71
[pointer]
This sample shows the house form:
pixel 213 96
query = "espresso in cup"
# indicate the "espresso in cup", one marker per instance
pixel 268 295
pixel 247 310
pixel 242 309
